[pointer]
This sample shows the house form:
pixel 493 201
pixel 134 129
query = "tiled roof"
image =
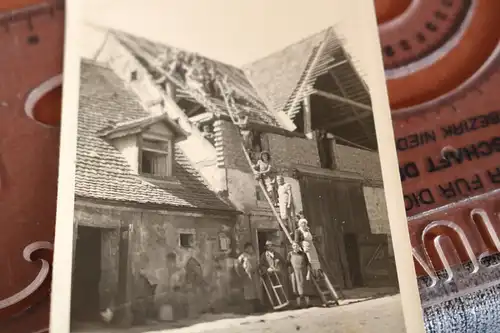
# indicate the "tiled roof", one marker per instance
pixel 276 76
pixel 275 83
pixel 258 110
pixel 103 173
pixel 288 75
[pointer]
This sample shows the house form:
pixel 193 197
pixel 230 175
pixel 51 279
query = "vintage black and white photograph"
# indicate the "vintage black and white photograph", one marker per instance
pixel 217 193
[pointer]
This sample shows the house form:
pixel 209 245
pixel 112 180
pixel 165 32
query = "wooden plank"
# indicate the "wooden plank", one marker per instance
pixel 342 99
pixel 307 116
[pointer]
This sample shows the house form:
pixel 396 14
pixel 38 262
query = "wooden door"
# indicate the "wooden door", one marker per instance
pixel 334 207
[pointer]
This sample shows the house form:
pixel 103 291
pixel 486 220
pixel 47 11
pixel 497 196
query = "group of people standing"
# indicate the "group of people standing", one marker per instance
pixel 295 273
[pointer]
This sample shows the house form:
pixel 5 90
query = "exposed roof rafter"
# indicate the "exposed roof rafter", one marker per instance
pixel 335 124
pixel 307 77
pixel 341 99
pixel 352 108
pixel 193 110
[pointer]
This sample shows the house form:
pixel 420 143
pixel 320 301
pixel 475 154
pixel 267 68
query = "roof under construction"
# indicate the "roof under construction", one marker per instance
pixel 315 75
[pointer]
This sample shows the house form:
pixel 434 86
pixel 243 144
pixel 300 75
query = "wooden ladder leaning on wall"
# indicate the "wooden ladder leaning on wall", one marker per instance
pixel 324 287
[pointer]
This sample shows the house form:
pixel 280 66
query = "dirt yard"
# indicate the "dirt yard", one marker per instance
pixel 375 315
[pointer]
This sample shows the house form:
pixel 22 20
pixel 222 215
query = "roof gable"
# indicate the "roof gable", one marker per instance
pixel 150 54
pixel 276 76
pixel 141 125
pixel 102 172
pixel 271 89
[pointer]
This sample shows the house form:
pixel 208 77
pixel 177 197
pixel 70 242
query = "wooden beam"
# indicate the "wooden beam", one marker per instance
pixel 307 116
pixel 355 112
pixel 193 110
pixel 341 139
pixel 341 99
pixel 171 90
pixel 338 123
pixel 308 74
pixel 349 60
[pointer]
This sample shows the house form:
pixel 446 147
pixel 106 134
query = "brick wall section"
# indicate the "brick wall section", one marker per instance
pixel 295 150
pixel 155 235
pixel 363 162
pixel 232 151
pixel 218 128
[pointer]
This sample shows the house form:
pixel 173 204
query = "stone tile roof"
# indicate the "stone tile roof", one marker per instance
pixel 276 76
pixel 277 82
pixel 288 75
pixel 103 173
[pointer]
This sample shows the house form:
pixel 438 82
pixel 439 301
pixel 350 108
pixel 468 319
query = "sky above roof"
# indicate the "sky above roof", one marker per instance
pixel 234 32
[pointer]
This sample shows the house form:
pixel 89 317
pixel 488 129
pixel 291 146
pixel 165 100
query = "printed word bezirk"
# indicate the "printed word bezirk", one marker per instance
pixel 471 124
pixel 464 126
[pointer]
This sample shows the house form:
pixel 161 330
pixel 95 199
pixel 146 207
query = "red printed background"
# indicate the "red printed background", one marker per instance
pixel 442 75
pixel 31 40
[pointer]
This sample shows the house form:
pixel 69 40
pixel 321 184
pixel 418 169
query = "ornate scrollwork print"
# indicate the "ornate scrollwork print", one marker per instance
pixel 37 289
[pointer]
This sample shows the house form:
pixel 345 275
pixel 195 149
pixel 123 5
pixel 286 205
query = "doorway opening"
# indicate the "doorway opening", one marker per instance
pixel 267 235
pixel 86 275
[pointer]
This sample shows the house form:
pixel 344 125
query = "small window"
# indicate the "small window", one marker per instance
pixel 186 240
pixel 133 75
pixel 156 158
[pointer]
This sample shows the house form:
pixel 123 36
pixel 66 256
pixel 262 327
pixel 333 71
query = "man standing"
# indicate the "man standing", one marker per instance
pixel 285 202
pixel 273 266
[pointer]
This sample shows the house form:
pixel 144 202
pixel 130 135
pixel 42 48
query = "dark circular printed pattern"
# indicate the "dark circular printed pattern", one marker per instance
pixel 420 30
pixel 437 50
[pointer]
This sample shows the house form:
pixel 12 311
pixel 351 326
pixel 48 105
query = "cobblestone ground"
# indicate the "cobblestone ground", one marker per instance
pixel 376 315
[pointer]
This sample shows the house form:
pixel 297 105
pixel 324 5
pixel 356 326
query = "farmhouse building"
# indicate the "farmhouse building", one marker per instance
pixel 164 190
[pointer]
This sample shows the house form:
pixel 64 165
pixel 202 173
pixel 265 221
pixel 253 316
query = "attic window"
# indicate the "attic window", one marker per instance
pixel 156 157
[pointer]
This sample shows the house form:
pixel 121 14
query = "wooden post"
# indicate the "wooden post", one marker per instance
pixel 307 117
pixel 170 90
pixel 124 297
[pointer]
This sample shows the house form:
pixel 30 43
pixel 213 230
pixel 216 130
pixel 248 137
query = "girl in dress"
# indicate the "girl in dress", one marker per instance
pixel 304 237
pixel 263 171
